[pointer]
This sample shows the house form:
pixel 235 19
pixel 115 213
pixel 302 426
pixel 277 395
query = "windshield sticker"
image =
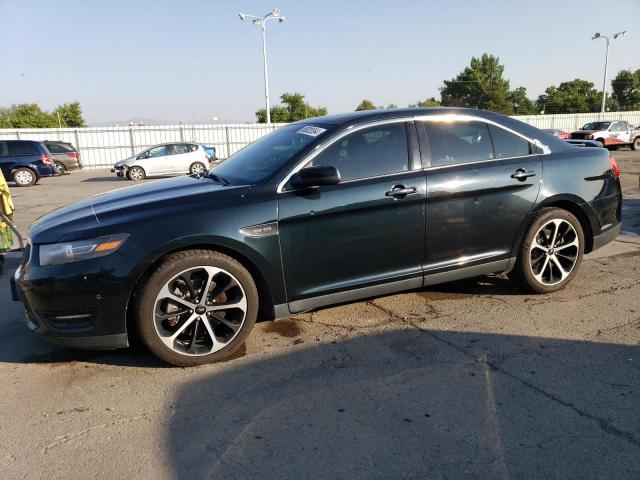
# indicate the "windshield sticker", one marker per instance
pixel 311 131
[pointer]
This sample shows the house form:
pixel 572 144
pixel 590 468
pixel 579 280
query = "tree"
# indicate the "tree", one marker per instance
pixel 70 115
pixel 294 108
pixel 480 85
pixel 626 90
pixel 429 102
pixel 30 115
pixel 576 96
pixel 520 103
pixel 365 105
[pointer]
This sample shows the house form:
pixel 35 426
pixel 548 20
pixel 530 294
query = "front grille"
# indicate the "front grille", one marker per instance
pixel 579 136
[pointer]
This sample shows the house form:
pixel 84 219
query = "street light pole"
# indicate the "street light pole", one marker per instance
pixel 262 23
pixel 606 62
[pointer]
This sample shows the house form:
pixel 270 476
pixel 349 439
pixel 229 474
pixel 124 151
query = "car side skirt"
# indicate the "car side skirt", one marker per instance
pixel 308 304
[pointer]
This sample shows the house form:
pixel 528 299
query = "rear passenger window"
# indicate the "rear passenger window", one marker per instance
pixel 23 148
pixel 180 149
pixel 370 152
pixel 193 148
pixel 56 148
pixel 506 144
pixel 458 142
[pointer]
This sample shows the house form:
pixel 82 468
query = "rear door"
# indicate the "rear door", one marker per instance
pixel 482 181
pixel 182 158
pixel 357 233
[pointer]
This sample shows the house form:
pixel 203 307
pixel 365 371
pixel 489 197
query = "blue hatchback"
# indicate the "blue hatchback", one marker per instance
pixel 25 161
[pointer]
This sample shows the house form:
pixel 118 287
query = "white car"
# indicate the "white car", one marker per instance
pixel 165 159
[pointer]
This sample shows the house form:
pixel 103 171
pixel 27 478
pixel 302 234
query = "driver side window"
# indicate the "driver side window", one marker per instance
pixel 370 152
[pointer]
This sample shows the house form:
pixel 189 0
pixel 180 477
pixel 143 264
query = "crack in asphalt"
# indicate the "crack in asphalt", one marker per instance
pixel 601 422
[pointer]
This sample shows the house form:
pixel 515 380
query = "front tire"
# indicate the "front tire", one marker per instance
pixel 136 174
pixel 24 177
pixel 551 252
pixel 196 307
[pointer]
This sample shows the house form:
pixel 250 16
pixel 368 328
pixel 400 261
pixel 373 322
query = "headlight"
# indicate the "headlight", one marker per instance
pixel 68 252
pixel 589 137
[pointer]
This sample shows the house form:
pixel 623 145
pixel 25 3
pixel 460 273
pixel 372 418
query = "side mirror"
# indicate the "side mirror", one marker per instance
pixel 318 176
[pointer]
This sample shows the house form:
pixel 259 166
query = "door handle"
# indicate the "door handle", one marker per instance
pixel 521 174
pixel 400 191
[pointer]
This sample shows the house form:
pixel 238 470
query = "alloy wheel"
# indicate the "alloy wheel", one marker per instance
pixel 197 169
pixel 554 252
pixel 59 168
pixel 200 311
pixel 136 174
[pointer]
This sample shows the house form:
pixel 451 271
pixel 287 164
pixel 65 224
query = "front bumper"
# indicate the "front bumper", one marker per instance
pixel 80 305
pixel 120 171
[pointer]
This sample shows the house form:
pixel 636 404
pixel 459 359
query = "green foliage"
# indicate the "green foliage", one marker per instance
pixel 30 115
pixel 70 115
pixel 626 90
pixel 520 103
pixel 365 105
pixel 293 108
pixel 480 85
pixel 392 105
pixel 576 96
pixel 429 102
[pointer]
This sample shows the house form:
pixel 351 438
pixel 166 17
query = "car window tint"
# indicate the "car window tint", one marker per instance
pixel 57 148
pixel 458 142
pixel 193 148
pixel 181 148
pixel 23 148
pixel 370 152
pixel 3 149
pixel 159 151
pixel 506 144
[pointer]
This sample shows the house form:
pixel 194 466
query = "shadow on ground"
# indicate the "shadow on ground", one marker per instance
pixel 416 404
pixel 631 217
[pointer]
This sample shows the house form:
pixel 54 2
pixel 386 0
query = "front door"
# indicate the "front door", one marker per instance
pixel 482 183
pixel 359 233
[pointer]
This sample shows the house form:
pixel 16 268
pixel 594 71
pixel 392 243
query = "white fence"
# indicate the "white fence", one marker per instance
pixel 573 121
pixel 103 146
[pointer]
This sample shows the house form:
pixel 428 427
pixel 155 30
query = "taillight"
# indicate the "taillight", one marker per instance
pixel 614 166
pixel 46 159
pixel 72 154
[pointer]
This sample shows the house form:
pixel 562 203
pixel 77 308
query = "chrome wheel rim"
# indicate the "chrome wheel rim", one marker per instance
pixel 197 169
pixel 24 177
pixel 59 169
pixel 554 252
pixel 136 174
pixel 200 311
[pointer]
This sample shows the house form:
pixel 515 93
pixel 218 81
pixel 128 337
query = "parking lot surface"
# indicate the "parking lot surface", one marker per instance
pixel 470 379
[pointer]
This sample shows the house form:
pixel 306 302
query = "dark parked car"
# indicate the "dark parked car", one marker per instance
pixel 322 211
pixel 25 161
pixel 65 156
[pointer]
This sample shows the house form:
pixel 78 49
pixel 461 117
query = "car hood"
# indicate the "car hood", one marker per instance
pixel 121 163
pixel 113 211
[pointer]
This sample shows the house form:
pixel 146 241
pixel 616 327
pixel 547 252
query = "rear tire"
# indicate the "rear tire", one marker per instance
pixel 60 168
pixel 24 177
pixel 181 314
pixel 136 174
pixel 551 252
pixel 636 144
pixel 197 168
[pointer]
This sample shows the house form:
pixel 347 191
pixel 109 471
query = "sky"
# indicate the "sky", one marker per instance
pixel 180 60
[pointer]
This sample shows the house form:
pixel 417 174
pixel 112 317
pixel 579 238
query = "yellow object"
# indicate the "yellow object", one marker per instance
pixel 7 208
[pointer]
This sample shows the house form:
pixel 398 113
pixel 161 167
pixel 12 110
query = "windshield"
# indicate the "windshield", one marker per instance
pixel 264 157
pixel 596 126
